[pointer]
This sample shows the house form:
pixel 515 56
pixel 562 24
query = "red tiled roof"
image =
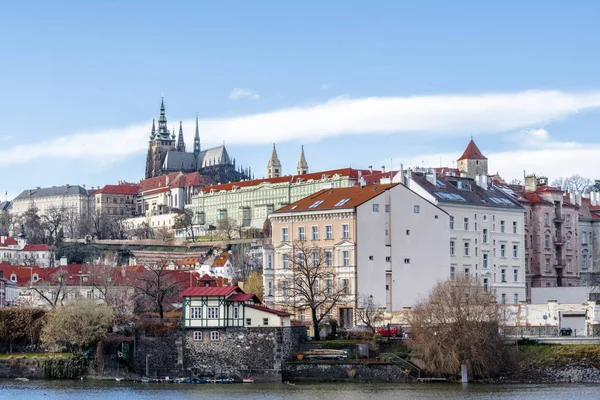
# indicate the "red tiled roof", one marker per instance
pixel 376 177
pixel 221 260
pixel 120 189
pixel 210 291
pixel 36 247
pixel 355 196
pixel 349 172
pixel 244 297
pixel 269 310
pixel 472 152
pixel 541 189
pixel 175 179
pixel 10 241
pixel 23 273
pixel 533 198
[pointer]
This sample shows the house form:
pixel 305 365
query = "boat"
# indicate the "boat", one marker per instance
pixel 248 380
pixel 22 379
pixel 195 380
pixel 143 379
pixel 222 380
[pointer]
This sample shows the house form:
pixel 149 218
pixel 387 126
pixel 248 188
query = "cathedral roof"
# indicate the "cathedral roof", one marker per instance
pixel 472 152
pixel 179 161
pixel 215 156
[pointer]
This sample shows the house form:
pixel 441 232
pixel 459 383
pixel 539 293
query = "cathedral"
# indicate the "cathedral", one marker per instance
pixel 166 155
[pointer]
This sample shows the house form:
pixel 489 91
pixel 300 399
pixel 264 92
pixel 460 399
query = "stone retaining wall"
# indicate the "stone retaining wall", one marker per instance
pixel 321 371
pixel 22 368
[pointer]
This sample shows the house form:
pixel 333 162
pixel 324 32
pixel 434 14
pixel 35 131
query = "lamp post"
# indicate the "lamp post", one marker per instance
pixel 147 366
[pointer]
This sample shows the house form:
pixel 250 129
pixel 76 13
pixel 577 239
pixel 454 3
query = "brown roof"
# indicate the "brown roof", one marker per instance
pixel 472 152
pixel 210 291
pixel 338 198
pixel 349 172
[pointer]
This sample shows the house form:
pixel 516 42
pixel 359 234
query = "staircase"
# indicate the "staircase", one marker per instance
pixel 414 370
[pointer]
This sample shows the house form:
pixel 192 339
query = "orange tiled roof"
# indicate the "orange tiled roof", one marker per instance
pixel 339 198
pixel 119 189
pixel 472 152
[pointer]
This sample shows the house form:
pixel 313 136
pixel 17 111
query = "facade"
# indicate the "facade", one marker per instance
pixel 374 238
pixel 117 199
pixel 486 225
pixel 589 234
pixel 219 266
pixel 166 156
pixel 249 203
pixel 209 309
pixel 75 199
pixel 18 252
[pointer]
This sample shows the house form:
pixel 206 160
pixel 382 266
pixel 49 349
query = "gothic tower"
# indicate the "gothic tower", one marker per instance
pixel 161 141
pixel 197 139
pixel 180 142
pixel 274 166
pixel 473 162
pixel 302 167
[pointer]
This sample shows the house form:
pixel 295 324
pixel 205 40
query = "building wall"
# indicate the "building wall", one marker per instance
pixel 159 221
pixel 115 204
pixel 250 206
pixel 78 203
pixel 589 234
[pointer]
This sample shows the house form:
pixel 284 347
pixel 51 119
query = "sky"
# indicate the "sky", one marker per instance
pixel 378 83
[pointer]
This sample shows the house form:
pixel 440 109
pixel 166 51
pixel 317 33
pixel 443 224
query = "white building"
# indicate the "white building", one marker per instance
pixel 486 227
pixel 74 198
pixel 18 252
pixel 377 239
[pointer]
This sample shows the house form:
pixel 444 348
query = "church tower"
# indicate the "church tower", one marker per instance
pixel 197 139
pixel 473 162
pixel 302 167
pixel 180 142
pixel 161 141
pixel 274 166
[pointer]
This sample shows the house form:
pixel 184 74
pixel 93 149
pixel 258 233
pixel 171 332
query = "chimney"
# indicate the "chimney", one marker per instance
pixel 530 183
pixel 383 169
pixel 431 178
pixel 370 169
pixel 578 198
pixel 571 197
pixel 482 181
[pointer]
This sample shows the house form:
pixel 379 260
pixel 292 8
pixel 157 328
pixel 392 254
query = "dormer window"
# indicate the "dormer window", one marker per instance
pixel 13 277
pixel 36 277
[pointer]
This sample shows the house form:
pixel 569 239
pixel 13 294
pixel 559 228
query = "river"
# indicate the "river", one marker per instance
pixel 109 390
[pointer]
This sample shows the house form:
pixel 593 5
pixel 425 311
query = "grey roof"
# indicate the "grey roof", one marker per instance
pixel 180 161
pixel 53 191
pixel 456 190
pixel 5 205
pixel 215 156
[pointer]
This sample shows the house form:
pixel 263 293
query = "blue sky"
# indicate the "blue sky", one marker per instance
pixel 358 83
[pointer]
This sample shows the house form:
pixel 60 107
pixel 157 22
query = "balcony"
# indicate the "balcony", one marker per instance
pixel 560 264
pixel 559 240
pixel 558 219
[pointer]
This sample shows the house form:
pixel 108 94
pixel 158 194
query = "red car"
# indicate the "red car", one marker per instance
pixel 392 331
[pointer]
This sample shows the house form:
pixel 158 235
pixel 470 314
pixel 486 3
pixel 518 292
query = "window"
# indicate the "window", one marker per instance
pixel 315 233
pixel 197 335
pixel 515 250
pixel 485 261
pixel 301 233
pixel 485 236
pixel 503 298
pixel 514 226
pixel 236 312
pixel 407 261
pixel 451 222
pixel 346 257
pixel 387 208
pixel 345 231
pixel 285 261
pixel 270 290
pixel 516 298
pixel 284 288
pixel 547 265
pixel 195 312
pixel 503 250
pixel 467 271
pixel 568 219
pixel 341 202
pixel 569 269
pixel 213 312
pixel 485 284
pixel 502 226
pixel 328 258
pixel 248 321
pixel 329 286
pixel 416 209
pixel 584 261
pixel 546 219
pixel 375 207
pixel 568 241
pixel 408 232
pixel 466 248
pixel 316 204
pixel 466 223
pixel 346 286
pixel 214 335
pixel 316 258
pixel 452 247
pixel 503 274
pixel 265 321
pixel 583 237
pixel 328 232
pixel 516 275
pixel 547 241
pixel 284 235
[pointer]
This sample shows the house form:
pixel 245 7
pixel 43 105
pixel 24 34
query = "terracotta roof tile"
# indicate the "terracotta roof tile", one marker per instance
pixel 210 291
pixel 120 189
pixel 472 152
pixel 36 247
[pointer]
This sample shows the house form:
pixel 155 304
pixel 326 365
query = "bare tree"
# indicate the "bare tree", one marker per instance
pixel 313 286
pixel 142 231
pixel 185 221
pixel 228 228
pixel 157 285
pixel 30 224
pixel 6 221
pixel 458 324
pixel 72 223
pixel 516 182
pixel 573 183
pixel 53 289
pixel 369 313
pixel 115 289
pixel 52 221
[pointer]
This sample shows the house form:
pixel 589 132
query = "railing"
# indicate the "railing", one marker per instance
pixel 402 362
pixel 558 219
pixel 560 264
pixel 558 240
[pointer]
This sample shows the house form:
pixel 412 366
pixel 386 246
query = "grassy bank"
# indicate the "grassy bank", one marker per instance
pixel 558 355
pixel 34 355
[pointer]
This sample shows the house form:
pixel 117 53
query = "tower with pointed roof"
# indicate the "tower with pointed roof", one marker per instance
pixel 274 166
pixel 180 141
pixel 473 162
pixel 302 167
pixel 161 142
pixel 197 139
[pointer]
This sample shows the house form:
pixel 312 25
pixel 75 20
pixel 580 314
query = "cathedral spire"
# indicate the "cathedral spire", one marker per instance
pixel 197 139
pixel 162 132
pixel 153 132
pixel 274 166
pixel 302 167
pixel 180 141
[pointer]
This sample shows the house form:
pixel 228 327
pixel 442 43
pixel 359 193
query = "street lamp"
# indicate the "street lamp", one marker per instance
pixel 147 366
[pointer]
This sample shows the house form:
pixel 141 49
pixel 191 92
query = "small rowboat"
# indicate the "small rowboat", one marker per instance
pixel 248 380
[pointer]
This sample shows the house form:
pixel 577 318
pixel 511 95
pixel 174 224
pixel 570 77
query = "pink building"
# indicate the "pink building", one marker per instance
pixel 551 236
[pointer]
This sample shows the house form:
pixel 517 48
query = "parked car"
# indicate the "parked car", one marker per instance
pixel 390 331
pixel 566 331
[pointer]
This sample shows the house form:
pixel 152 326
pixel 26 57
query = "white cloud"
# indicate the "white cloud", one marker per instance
pixel 431 115
pixel 238 93
pixel 326 86
pixel 547 158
